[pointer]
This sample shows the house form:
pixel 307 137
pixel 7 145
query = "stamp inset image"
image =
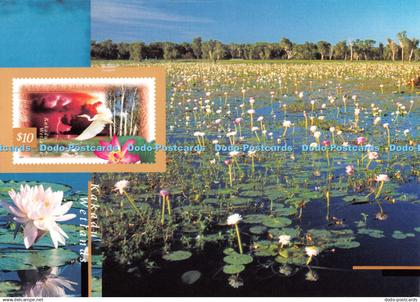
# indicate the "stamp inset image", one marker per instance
pixel 103 119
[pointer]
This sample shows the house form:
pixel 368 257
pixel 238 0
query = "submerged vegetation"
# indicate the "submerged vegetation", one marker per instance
pixel 300 161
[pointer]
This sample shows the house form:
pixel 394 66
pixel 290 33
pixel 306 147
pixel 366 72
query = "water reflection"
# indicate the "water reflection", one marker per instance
pixel 44 282
pixel 235 281
pixel 312 276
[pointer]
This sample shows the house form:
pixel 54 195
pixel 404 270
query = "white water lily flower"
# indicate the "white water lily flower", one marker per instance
pixel 373 155
pixel 382 177
pixel 317 134
pixel 311 251
pixel 251 111
pixel 234 153
pixel 332 129
pixel 234 219
pixel 39 211
pixel 376 120
pixel 121 185
pixel 406 132
pixel 313 129
pixel 255 129
pixel 284 239
pixel 260 119
pixel 386 125
pixel 251 153
pixel 287 124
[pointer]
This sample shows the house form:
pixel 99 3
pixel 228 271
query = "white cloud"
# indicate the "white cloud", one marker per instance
pixel 129 13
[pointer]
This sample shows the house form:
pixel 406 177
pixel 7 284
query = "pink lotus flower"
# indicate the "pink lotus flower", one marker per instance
pixel 350 170
pixel 360 140
pixel 39 211
pixel 326 143
pixel 114 154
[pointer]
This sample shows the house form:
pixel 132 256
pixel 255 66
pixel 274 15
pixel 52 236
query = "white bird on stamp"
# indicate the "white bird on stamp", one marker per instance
pixel 99 121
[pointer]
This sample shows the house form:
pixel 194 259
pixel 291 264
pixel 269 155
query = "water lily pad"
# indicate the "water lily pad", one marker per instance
pixel 346 244
pixel 232 269
pixel 236 258
pixel 10 289
pixel 265 249
pixel 417 229
pixel 274 194
pixel 400 235
pixel 97 261
pixel 253 218
pixel 371 232
pixel 213 201
pixel 293 233
pixel 258 229
pixel 190 277
pixel 284 253
pixel 229 251
pixel 281 210
pixel 96 287
pixel 240 201
pixel 21 259
pixel 177 256
pixel 72 231
pixel 251 194
pixel 295 256
pixel 276 222
pixel 356 199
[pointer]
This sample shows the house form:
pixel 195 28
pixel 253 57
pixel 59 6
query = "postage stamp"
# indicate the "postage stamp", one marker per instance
pixel 86 119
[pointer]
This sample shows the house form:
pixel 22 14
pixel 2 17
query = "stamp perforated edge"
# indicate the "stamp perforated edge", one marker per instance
pixel 17 83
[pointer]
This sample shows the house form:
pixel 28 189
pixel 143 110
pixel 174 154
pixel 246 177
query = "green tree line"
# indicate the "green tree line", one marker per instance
pixel 402 48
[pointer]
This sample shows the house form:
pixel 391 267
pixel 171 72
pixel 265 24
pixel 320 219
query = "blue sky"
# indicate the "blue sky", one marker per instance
pixel 253 20
pixel 47 33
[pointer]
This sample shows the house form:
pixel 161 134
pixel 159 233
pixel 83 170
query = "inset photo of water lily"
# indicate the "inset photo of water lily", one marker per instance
pixel 41 235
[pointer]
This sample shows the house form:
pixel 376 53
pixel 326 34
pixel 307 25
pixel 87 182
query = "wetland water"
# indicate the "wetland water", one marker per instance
pixel 351 208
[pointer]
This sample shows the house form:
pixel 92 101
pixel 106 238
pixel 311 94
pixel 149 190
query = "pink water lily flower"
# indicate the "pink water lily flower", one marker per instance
pixel 360 140
pixel 350 170
pixel 39 211
pixel 115 154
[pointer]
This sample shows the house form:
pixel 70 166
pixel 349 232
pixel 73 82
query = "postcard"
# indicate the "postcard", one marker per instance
pixel 82 120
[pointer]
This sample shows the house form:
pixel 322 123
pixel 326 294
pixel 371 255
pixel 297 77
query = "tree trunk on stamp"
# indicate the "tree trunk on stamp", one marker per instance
pixel 122 109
